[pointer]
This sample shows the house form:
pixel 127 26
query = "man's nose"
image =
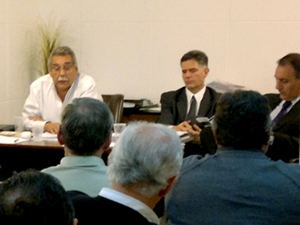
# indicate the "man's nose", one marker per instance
pixel 187 74
pixel 62 72
pixel 278 86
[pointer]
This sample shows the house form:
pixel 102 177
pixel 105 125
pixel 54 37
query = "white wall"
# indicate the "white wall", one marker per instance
pixel 134 46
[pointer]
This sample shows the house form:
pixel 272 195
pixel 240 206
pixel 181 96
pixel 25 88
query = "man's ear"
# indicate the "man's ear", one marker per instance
pixel 206 71
pixel 60 137
pixel 171 182
pixel 75 221
pixel 214 134
pixel 265 147
pixel 106 144
pixel 76 68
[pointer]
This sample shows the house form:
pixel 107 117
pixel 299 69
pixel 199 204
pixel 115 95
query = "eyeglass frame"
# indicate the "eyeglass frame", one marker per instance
pixel 64 67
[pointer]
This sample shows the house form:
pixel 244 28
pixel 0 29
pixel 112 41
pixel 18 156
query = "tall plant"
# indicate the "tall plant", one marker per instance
pixel 48 38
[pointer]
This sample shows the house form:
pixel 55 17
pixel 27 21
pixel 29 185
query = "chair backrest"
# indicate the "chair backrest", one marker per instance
pixel 115 103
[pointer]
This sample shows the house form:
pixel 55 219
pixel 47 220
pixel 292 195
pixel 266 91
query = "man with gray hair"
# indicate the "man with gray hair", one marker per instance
pixel 143 166
pixel 85 131
pixel 50 93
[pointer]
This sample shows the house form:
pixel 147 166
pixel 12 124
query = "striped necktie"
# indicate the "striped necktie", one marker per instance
pixel 281 113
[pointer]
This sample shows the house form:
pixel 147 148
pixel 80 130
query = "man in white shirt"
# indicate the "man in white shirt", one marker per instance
pixel 50 93
pixel 143 166
pixel 177 107
pixel 284 143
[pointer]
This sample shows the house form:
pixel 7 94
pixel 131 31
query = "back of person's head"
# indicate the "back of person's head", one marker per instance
pixel 196 55
pixel 242 120
pixel 34 198
pixel 145 156
pixel 62 51
pixel 86 124
pixel 292 59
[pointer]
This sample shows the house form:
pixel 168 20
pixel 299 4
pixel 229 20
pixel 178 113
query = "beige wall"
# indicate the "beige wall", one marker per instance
pixel 134 46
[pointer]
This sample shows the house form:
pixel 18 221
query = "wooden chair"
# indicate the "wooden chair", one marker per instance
pixel 115 103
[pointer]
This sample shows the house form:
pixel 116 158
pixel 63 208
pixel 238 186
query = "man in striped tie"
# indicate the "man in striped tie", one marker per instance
pixel 285 106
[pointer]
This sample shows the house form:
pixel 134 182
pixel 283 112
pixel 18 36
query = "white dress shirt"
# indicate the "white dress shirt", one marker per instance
pixel 44 102
pixel 198 96
pixel 130 202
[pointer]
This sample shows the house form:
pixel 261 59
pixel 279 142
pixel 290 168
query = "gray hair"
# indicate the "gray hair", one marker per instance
pixel 86 124
pixel 145 156
pixel 62 51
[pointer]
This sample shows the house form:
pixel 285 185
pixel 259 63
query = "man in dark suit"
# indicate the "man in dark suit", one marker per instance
pixel 286 122
pixel 239 184
pixel 181 107
pixel 143 166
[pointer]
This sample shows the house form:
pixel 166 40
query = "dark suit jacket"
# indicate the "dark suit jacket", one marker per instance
pixel 100 210
pixel 286 132
pixel 235 187
pixel 174 106
pixel 173 112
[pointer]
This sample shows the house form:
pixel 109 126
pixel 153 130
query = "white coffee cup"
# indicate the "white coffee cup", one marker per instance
pixel 18 123
pixel 37 132
pixel 119 127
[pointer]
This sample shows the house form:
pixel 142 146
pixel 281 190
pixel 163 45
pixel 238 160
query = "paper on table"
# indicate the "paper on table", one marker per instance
pixel 11 140
pixel 128 105
pixel 49 137
pixel 182 133
pixel 154 109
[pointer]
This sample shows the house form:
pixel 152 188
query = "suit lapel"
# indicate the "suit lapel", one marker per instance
pixel 274 100
pixel 290 116
pixel 181 105
pixel 205 104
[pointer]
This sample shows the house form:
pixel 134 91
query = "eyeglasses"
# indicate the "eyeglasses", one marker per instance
pixel 67 68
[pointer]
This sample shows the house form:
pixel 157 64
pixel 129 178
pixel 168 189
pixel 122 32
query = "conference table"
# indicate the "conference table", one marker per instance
pixel 28 154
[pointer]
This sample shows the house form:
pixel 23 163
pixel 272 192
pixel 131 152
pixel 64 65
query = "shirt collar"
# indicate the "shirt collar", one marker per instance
pixel 293 103
pixel 199 95
pixel 296 100
pixel 82 161
pixel 130 202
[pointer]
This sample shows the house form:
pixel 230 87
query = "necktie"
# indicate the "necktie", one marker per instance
pixel 192 112
pixel 281 113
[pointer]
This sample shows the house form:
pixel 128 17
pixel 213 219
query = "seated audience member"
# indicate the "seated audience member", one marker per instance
pixel 181 107
pixel 239 184
pixel 50 93
pixel 143 167
pixel 286 109
pixel 85 131
pixel 34 198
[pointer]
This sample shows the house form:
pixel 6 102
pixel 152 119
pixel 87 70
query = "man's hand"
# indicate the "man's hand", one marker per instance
pixel 193 131
pixel 52 127
pixel 186 126
pixel 196 134
pixel 35 118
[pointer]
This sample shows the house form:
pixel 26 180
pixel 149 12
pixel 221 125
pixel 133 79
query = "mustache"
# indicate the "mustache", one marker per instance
pixel 62 79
